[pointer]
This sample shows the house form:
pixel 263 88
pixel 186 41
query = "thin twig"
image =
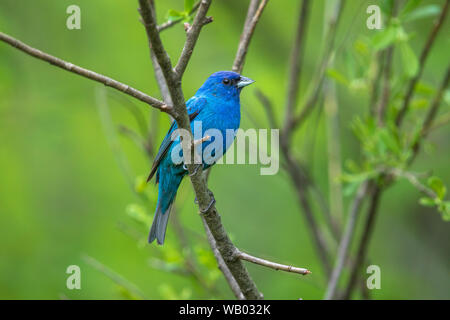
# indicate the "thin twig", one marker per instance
pixel 247 34
pixel 328 54
pixel 85 73
pixel 270 264
pixel 268 108
pixel 169 24
pixel 363 243
pixel 117 278
pixel 296 61
pixel 344 245
pixel 191 37
pixel 234 286
pixel 384 101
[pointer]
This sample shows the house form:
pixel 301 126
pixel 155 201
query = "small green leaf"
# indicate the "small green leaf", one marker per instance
pixel 384 38
pixel 437 186
pixel 188 5
pixel 447 97
pixel 444 208
pixel 173 15
pixel 410 6
pixel 422 12
pixel 426 201
pixel 337 76
pixel 140 183
pixel 409 59
pixel 138 213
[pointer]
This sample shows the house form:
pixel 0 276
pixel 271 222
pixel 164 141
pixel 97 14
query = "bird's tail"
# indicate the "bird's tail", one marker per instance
pixel 159 225
pixel 165 201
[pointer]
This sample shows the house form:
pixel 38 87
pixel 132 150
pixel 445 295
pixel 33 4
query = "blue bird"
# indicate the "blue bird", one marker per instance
pixel 216 104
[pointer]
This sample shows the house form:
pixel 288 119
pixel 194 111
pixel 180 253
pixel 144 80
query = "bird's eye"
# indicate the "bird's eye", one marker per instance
pixel 226 81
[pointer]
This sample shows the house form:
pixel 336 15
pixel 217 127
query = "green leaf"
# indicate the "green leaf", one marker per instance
pixel 437 186
pixel 444 208
pixel 409 59
pixel 138 213
pixel 384 38
pixel 140 183
pixel 173 15
pixel 410 6
pixel 422 12
pixel 426 201
pixel 337 76
pixel 188 5
pixel 447 96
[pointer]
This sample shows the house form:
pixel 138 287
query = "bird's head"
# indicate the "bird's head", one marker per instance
pixel 224 84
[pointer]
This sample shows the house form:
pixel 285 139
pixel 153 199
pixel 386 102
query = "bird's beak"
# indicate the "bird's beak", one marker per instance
pixel 243 82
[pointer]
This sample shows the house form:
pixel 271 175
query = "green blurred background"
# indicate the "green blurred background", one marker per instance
pixel 63 195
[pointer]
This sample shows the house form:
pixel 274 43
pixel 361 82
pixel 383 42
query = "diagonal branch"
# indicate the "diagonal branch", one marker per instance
pixel 296 61
pixel 422 60
pixel 247 34
pixel 192 34
pixel 327 56
pixel 86 73
pixel 344 245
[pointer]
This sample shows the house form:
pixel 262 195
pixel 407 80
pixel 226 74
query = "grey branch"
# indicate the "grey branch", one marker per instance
pixel 247 34
pixel 270 264
pixel 328 54
pixel 192 34
pixel 86 73
pixel 296 60
pixel 234 286
pixel 344 245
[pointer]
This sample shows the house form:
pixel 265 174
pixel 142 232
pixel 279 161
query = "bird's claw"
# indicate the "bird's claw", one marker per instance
pixel 213 201
pixel 195 170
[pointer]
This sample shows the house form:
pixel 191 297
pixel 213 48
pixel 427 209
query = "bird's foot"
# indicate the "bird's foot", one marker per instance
pixel 213 201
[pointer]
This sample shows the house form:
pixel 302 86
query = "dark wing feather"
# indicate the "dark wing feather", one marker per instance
pixel 194 106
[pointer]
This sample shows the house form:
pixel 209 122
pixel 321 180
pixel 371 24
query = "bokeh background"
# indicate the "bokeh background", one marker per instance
pixel 64 196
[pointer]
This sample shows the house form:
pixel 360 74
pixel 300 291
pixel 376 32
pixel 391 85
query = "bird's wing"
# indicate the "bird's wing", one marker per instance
pixel 194 106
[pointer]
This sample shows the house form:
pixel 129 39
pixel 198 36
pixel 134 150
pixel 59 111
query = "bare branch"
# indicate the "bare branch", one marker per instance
pixel 247 34
pixel 191 37
pixel 382 105
pixel 422 60
pixel 270 264
pixel 296 61
pixel 268 107
pixel 234 286
pixel 363 244
pixel 328 53
pixel 344 245
pixel 86 73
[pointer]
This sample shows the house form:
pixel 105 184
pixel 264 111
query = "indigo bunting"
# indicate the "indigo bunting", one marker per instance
pixel 216 104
